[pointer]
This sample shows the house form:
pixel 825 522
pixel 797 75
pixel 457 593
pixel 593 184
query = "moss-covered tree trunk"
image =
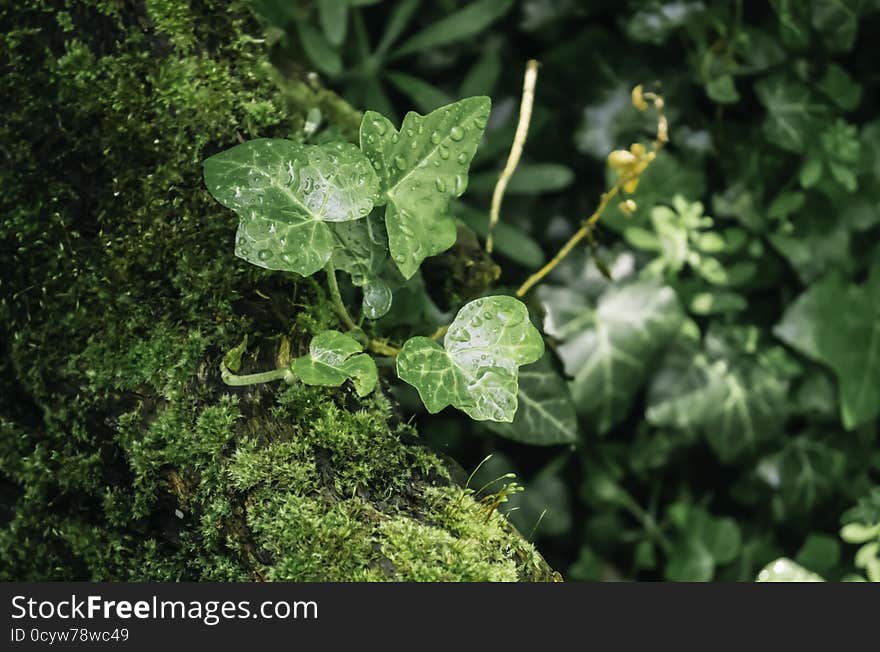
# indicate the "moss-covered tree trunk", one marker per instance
pixel 122 454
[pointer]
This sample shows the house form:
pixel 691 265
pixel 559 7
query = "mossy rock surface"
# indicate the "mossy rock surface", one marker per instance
pixel 122 454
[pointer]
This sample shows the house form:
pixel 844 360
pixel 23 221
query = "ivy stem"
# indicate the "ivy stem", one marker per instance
pixel 519 140
pixel 254 379
pixel 440 332
pixel 381 347
pixel 660 140
pixel 336 297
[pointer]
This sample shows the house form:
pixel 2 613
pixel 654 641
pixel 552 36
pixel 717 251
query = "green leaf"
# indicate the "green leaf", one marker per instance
pixel 837 21
pixel 285 192
pixel 546 415
pixel 802 473
pixel 334 358
pixel 421 168
pixel 722 90
pixel 476 369
pixel 463 24
pixel 819 552
pixel 426 97
pixel 333 16
pixel 792 112
pixel 319 51
pixel 840 88
pixel 483 75
pixel 609 351
pixel 510 240
pixel 785 570
pixel 362 251
pixel 838 324
pixel 732 398
pixel 529 179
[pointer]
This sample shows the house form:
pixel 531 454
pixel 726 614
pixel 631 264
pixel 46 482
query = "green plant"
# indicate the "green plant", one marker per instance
pixel 303 208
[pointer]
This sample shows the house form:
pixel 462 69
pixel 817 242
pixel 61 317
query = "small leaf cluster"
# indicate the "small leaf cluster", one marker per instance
pixel 377 212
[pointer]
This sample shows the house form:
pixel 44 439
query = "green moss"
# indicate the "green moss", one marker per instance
pixel 122 454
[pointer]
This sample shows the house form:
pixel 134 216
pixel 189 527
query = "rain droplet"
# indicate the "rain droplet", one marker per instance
pixel 436 137
pixel 456 133
pixel 440 184
pixel 444 152
pixel 400 162
pixel 379 127
pixel 462 158
pixel 264 254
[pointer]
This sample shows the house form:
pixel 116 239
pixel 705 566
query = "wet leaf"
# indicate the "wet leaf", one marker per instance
pixel 477 368
pixel 334 358
pixel 785 570
pixel 284 194
pixel 421 168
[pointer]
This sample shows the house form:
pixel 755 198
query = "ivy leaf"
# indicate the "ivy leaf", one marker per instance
pixel 610 350
pixel 362 252
pixel 477 368
pixel 546 414
pixel 734 399
pixel 792 112
pixel 334 358
pixel 284 193
pixel 421 168
pixel 803 472
pixel 785 570
pixel 838 324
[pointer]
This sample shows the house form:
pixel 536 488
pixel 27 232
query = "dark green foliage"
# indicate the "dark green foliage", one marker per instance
pixel 726 378
pixel 122 454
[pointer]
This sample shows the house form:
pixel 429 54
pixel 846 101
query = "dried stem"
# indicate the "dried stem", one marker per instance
pixel 519 140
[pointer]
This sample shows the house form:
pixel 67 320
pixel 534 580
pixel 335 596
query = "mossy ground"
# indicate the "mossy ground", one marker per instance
pixel 123 457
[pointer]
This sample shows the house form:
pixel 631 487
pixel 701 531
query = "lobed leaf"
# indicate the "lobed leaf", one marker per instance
pixel 838 324
pixel 284 193
pixel 334 358
pixel 421 168
pixel 477 368
pixel 609 351
pixel 546 414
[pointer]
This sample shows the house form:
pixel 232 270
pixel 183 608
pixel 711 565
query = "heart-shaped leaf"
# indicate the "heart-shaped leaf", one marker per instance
pixel 284 192
pixel 333 358
pixel 477 368
pixel 421 168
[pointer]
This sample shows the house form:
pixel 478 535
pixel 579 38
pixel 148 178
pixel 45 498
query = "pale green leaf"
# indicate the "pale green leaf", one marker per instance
pixel 733 399
pixel 785 570
pixel 477 368
pixel 610 350
pixel 284 193
pixel 334 358
pixel 421 168
pixel 546 415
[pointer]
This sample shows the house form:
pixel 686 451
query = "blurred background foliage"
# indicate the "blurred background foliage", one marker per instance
pixel 714 405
